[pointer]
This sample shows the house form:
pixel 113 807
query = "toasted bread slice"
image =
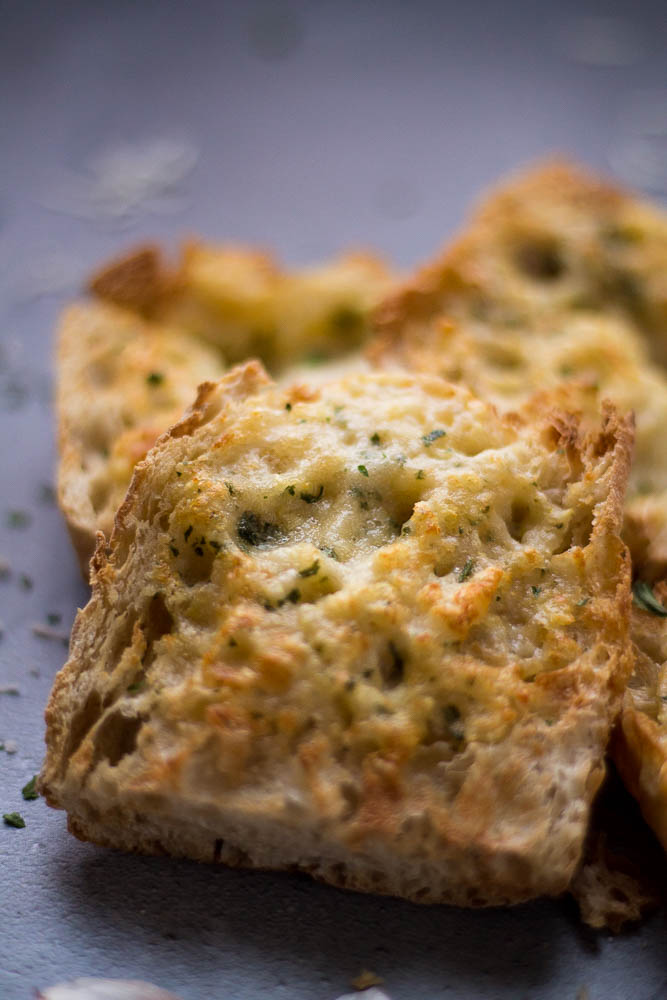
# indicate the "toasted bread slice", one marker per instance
pixel 129 364
pixel 551 242
pixel 369 630
pixel 121 381
pixel 243 302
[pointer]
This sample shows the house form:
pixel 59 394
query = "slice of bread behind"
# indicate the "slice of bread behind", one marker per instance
pixel 536 293
pixel 121 381
pixel 371 631
pixel 244 302
pixel 548 243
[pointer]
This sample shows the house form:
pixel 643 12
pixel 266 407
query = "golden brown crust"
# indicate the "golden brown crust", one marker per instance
pixel 371 631
pixel 136 280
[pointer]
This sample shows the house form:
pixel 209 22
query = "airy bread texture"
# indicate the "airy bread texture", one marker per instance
pixel 369 630
pixel 129 363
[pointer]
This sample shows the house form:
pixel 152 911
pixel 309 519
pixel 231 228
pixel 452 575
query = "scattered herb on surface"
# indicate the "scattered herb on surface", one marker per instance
pixel 310 570
pixel 363 470
pixel 328 551
pixel 420 474
pixel 536 590
pixel 288 406
pixel 312 497
pixel 14 819
pixel 230 489
pixel 583 601
pixel 18 519
pixel 432 436
pixel 468 567
pixel 155 378
pixel 29 792
pixel 253 530
pixel 645 599
pixel 375 438
pixel 291 490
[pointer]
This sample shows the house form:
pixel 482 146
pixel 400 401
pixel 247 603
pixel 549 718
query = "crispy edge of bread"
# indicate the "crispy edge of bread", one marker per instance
pixel 504 869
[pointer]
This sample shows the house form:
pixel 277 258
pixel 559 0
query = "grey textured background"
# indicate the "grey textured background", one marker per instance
pixel 309 127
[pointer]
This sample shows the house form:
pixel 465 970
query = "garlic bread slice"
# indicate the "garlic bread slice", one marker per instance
pixel 370 630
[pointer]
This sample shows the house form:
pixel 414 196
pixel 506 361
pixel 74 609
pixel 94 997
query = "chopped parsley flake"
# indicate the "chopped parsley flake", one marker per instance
pixel 432 436
pixel 420 474
pixel 155 378
pixel 254 531
pixel 583 601
pixel 536 590
pixel 291 490
pixel 375 438
pixel 18 519
pixel 468 567
pixel 328 551
pixel 310 570
pixel 363 470
pixel 312 497
pixel 14 819
pixel 645 598
pixel 288 406
pixel 29 792
pixel 230 489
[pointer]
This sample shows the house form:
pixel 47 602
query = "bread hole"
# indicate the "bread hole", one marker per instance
pixel 195 563
pixel 518 520
pixel 116 737
pixel 164 522
pixel 120 638
pixel 81 724
pixel 157 623
pixel 99 494
pixel 351 799
pixel 217 849
pixel 392 666
pixel 540 259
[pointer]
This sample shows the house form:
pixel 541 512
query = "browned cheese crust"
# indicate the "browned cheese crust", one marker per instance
pixel 372 631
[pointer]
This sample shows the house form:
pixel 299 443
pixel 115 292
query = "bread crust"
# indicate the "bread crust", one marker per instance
pixel 470 780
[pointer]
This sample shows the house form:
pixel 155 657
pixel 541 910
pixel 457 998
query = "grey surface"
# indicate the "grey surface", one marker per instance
pixel 315 126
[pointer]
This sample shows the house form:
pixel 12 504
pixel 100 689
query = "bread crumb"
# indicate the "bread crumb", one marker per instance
pixel 365 979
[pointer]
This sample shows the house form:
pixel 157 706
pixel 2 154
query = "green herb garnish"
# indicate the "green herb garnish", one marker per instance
pixel 312 497
pixel 645 599
pixel 432 436
pixel 536 590
pixel 254 531
pixel 291 490
pixel 375 438
pixel 18 519
pixel 155 378
pixel 468 567
pixel 29 792
pixel 14 819
pixel 363 470
pixel 420 474
pixel 310 570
